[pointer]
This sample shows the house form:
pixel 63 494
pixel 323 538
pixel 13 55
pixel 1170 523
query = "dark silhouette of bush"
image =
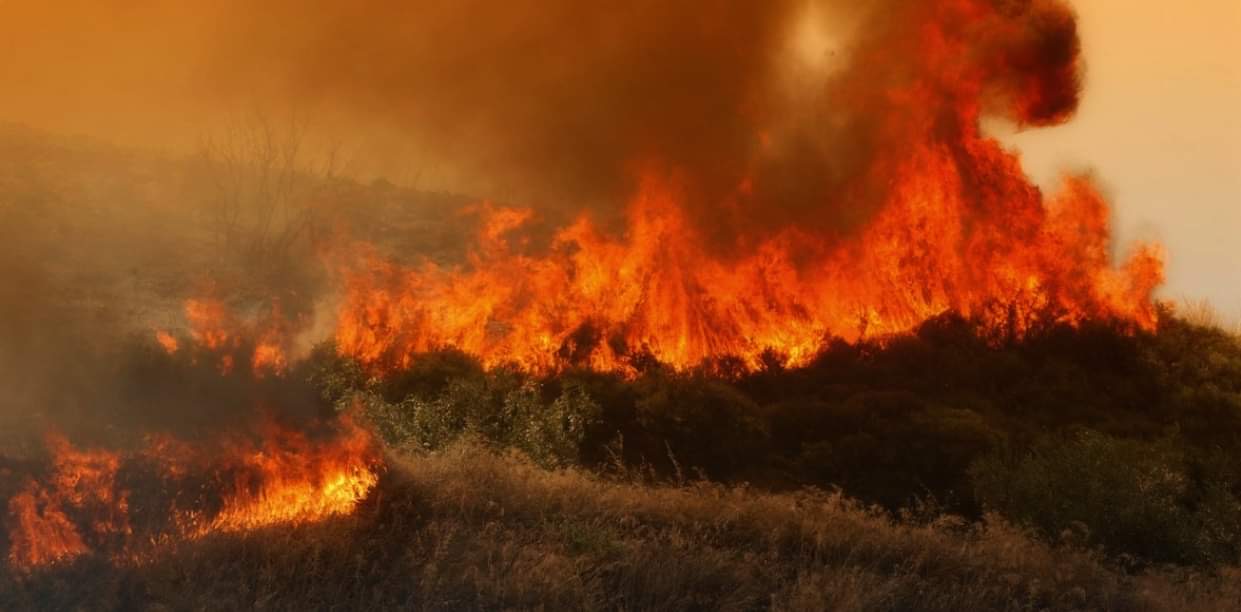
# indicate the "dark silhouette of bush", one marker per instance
pixel 430 374
pixel 1132 498
pixel 696 422
pixel 885 446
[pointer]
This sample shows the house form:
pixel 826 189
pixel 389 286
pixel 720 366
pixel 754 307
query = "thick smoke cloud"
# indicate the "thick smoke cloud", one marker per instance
pixel 558 104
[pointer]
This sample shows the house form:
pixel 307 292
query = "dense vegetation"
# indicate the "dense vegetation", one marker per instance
pixel 1127 442
pixel 1074 469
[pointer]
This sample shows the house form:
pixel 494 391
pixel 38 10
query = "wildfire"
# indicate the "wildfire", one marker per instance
pixel 290 479
pixel 167 341
pixel 125 505
pixel 594 300
pixel 948 222
pixel 84 505
pixel 41 527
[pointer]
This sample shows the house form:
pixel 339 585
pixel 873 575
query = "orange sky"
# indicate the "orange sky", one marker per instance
pixel 1159 123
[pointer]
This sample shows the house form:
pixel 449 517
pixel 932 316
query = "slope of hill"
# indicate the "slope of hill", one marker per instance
pixel 467 529
pixel 1083 467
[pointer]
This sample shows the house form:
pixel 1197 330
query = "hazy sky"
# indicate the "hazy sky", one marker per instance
pixel 1160 124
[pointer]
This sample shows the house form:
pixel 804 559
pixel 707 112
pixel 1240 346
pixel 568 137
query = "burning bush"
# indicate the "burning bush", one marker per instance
pixel 122 505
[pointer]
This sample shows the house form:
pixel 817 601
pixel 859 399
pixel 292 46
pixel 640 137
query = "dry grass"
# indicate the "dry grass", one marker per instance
pixel 470 530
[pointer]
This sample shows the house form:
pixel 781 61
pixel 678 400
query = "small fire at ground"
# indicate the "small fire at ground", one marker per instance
pixel 123 505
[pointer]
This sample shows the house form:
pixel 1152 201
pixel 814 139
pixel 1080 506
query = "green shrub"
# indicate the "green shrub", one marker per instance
pixel 334 376
pixel 429 375
pixel 552 434
pixel 500 408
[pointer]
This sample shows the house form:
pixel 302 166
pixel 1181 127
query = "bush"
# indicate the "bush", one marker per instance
pixel 551 435
pixel 693 421
pixel 1131 498
pixel 428 375
pixel 500 408
pixel 887 447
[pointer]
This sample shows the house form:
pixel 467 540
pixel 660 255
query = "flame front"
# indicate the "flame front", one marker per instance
pixel 937 216
pixel 594 300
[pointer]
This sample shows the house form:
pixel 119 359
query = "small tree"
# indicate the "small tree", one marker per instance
pixel 1133 498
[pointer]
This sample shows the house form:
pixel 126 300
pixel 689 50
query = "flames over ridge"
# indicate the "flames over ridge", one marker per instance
pixel 945 219
pixel 598 301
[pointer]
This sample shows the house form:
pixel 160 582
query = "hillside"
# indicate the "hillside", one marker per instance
pixel 1076 465
pixel 470 530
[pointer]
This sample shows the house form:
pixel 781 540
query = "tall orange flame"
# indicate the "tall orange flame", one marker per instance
pixel 939 217
pixel 594 300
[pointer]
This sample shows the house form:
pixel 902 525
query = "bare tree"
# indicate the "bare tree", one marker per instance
pixel 265 190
